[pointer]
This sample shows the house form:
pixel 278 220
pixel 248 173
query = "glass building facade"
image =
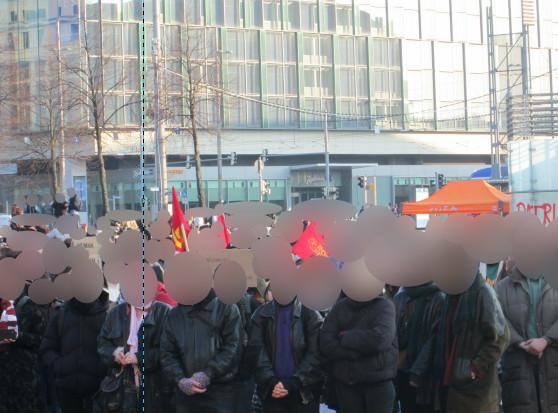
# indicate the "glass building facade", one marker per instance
pixel 388 64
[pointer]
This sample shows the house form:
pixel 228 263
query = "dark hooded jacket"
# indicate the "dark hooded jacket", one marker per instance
pixel 204 337
pixel 359 341
pixel 69 347
pixel 305 329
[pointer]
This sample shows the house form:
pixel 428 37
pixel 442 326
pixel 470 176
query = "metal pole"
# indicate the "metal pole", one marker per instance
pixel 219 125
pixel 494 114
pixel 62 160
pixel 160 144
pixel 260 175
pixel 365 191
pixel 326 147
pixel 374 193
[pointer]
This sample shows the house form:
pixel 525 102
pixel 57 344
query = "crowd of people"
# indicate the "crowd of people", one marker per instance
pixel 484 350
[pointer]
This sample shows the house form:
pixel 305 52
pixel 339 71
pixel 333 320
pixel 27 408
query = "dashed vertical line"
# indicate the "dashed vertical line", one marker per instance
pixel 142 170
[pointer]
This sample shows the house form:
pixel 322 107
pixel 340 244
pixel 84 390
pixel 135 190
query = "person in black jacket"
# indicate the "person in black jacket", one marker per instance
pixel 200 353
pixel 69 349
pixel 288 374
pixel 359 341
pixel 115 339
pixel 418 315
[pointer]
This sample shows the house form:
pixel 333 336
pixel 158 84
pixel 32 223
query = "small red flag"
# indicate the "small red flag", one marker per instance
pixel 226 233
pixel 179 226
pixel 310 243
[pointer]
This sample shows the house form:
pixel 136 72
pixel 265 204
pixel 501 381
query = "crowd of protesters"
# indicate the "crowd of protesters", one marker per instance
pixel 410 350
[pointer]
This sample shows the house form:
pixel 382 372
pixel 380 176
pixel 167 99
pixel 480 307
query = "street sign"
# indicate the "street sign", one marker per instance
pixel 8 168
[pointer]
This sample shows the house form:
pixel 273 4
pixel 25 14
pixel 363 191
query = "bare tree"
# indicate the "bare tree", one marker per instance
pixel 85 77
pixel 200 82
pixel 49 98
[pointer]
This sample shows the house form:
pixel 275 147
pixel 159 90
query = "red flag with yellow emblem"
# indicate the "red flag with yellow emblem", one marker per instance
pixel 310 243
pixel 179 225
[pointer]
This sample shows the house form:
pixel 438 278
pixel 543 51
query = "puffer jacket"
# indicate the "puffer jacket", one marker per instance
pixel 69 347
pixel 305 329
pixel 115 332
pixel 202 338
pixel 359 341
pixel 519 367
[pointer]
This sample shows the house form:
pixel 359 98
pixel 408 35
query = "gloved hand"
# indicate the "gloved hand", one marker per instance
pixel 202 379
pixel 186 386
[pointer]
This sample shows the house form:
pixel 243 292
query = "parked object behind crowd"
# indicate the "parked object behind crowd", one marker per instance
pixel 359 342
pixel 288 373
pixel 69 349
pixel 472 337
pixel 418 315
pixel 200 351
pixel 530 363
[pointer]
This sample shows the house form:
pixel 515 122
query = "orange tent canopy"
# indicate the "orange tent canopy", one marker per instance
pixel 462 197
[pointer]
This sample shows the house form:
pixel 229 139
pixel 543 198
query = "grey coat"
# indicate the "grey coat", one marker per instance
pixel 520 368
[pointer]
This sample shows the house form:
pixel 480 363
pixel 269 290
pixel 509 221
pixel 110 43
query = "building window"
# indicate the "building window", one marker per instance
pixel 478 107
pixel 243 78
pixel 435 17
pixel 386 83
pixel 272 14
pixel 303 15
pixel 404 19
pixel 450 88
pixel 466 21
pixel 419 86
pixel 13 16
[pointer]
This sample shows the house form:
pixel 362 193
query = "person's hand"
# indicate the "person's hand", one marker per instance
pixel 130 358
pixel 7 341
pixel 537 346
pixel 279 391
pixel 202 379
pixel 119 356
pixel 190 387
pixel 414 381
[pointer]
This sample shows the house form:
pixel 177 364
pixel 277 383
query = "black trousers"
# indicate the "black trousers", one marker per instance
pixel 366 398
pixel 243 392
pixel 219 398
pixel 70 402
pixel 407 396
pixel 289 405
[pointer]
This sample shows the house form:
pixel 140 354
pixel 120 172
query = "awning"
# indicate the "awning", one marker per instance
pixel 462 197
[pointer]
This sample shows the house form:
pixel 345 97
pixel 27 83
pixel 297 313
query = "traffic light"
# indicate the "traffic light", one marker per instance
pixel 362 181
pixel 233 158
pixel 440 181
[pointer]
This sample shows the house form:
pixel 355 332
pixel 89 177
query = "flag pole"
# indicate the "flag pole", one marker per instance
pixel 184 237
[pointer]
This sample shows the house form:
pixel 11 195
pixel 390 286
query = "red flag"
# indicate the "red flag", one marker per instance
pixel 179 226
pixel 226 234
pixel 310 243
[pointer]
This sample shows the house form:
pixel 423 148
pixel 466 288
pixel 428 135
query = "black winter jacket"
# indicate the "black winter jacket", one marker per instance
pixel 305 329
pixel 69 347
pixel 202 338
pixel 359 341
pixel 115 332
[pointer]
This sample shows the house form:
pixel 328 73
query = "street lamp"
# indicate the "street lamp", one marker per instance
pixel 220 54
